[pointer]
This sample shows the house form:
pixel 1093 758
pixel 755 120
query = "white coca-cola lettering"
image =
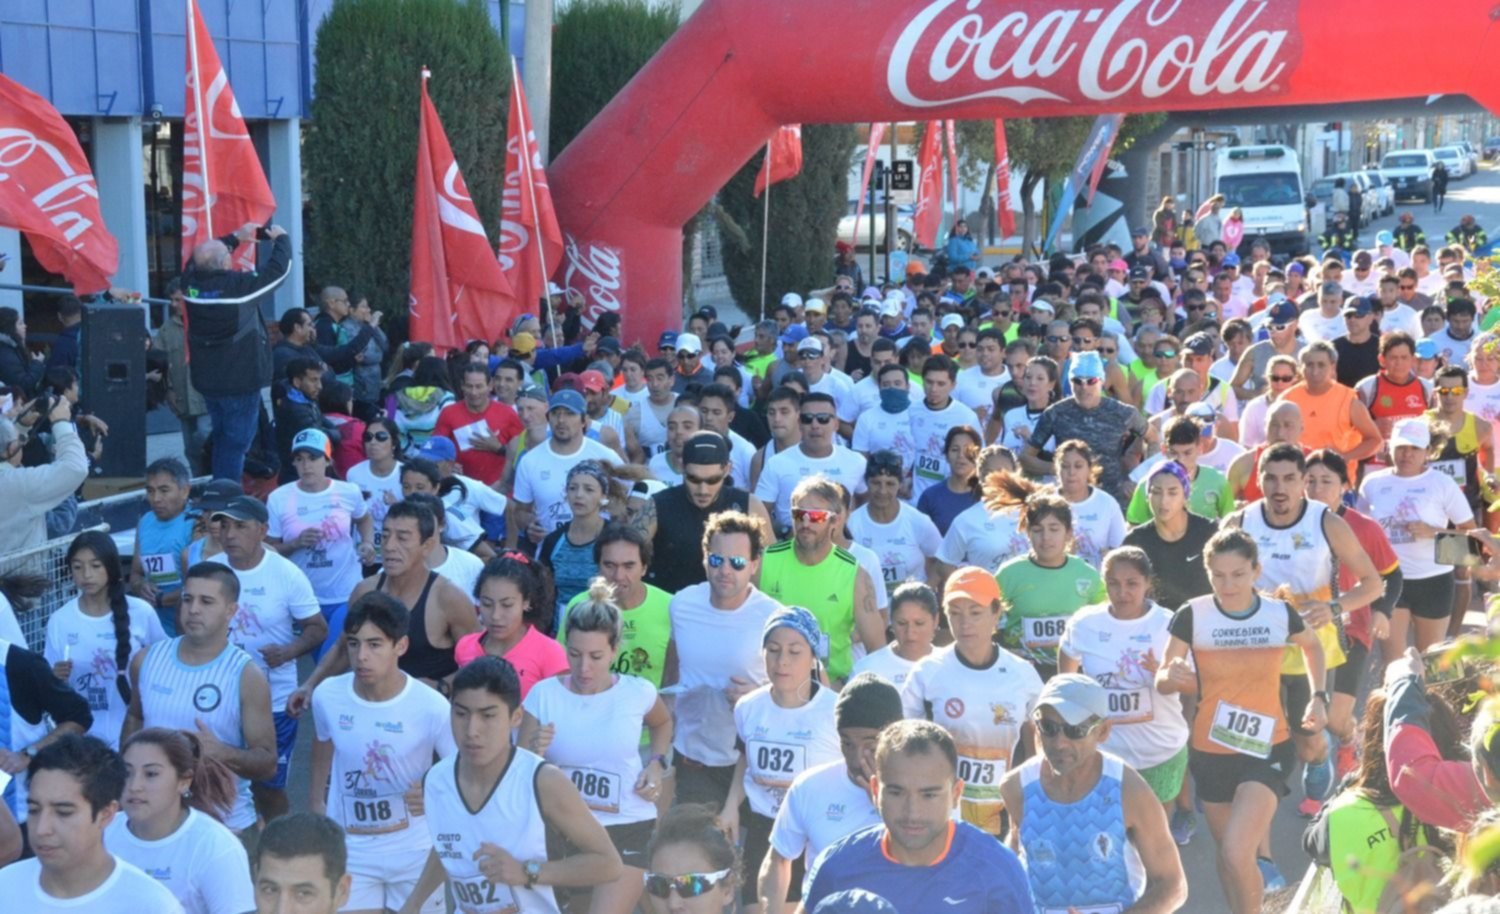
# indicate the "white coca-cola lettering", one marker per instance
pixel 68 188
pixel 454 207
pixel 516 212
pixel 1128 49
pixel 597 273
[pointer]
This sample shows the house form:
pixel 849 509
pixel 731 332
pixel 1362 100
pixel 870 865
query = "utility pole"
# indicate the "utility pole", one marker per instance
pixel 536 70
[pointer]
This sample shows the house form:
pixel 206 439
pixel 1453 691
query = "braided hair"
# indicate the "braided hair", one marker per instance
pixel 104 550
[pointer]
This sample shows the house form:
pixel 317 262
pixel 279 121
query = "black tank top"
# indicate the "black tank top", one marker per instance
pixel 677 549
pixel 421 659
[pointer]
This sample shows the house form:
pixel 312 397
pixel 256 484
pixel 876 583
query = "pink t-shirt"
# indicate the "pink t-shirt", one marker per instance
pixel 535 656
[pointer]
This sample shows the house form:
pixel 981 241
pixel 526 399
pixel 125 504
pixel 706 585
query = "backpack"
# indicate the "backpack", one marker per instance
pixel 1416 886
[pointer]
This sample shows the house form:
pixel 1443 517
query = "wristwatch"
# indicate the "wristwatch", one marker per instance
pixel 1323 696
pixel 533 872
pixel 1336 608
pixel 660 758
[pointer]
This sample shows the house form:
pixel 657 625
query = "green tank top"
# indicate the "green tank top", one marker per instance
pixel 759 363
pixel 826 590
pixel 1362 852
pixel 1039 600
pixel 644 634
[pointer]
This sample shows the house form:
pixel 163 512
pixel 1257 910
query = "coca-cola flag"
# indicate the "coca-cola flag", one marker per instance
pixel 531 244
pixel 948 129
pixel 1003 207
pixel 1095 150
pixel 458 291
pixel 783 158
pixel 223 186
pixel 877 134
pixel 929 215
pixel 47 191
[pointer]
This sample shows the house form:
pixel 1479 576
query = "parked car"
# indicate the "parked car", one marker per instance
pixel 1409 172
pixel 1456 160
pixel 1382 190
pixel 1375 200
pixel 1471 152
pixel 1491 147
pixel 905 229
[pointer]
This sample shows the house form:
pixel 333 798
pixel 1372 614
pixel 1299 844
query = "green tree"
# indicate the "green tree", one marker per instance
pixel 805 213
pixel 597 47
pixel 360 145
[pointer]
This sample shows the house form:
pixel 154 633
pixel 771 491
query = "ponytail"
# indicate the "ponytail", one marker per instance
pixel 104 550
pixel 211 790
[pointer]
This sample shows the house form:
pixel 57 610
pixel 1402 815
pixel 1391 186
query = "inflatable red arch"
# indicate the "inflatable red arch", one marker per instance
pixel 737 69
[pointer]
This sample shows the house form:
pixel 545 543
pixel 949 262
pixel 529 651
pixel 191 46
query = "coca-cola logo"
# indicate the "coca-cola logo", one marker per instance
pixel 597 273
pixel 517 206
pixel 67 195
pixel 956 51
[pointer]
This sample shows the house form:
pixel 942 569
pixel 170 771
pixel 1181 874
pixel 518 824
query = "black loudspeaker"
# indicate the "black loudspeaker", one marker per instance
pixel 112 378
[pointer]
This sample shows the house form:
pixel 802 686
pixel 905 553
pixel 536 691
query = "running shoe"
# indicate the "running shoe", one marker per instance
pixel 1184 826
pixel 1317 780
pixel 1270 874
pixel 1346 760
pixel 1309 807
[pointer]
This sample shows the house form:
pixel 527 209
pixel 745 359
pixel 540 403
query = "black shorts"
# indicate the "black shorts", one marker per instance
pixel 1347 677
pixel 1428 598
pixel 630 839
pixel 1217 776
pixel 757 845
pixel 695 782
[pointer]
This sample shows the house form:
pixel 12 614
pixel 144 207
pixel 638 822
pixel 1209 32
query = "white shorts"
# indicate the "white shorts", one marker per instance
pixel 385 882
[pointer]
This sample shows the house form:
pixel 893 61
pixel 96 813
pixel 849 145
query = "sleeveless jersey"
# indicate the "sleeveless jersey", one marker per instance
pixel 825 589
pixel 1078 854
pixel 511 818
pixel 1389 401
pixel 1325 417
pixel 1296 565
pixel 651 432
pixel 1460 457
pixel 175 695
pixel 781 743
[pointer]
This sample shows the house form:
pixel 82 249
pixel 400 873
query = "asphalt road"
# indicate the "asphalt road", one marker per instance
pixel 1478 194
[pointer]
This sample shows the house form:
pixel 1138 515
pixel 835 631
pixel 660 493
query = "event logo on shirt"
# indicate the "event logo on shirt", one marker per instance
pixel 1001 714
pixel 207 697
pixel 346 721
pixel 835 812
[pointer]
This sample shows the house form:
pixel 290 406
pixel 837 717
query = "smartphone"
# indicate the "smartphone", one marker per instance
pixel 1460 549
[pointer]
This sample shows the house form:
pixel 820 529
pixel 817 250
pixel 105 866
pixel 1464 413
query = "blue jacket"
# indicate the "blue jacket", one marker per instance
pixel 961 250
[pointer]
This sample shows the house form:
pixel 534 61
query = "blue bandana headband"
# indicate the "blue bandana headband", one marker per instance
pixel 800 621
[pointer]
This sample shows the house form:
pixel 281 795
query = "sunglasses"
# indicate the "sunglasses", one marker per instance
pixel 1051 728
pixel 811 515
pixel 1196 307
pixel 1166 353
pixel 1408 288
pixel 968 345
pixel 1086 382
pixel 820 418
pixel 1277 328
pixel 1057 339
pixel 1005 313
pixel 684 356
pixel 1107 352
pixel 1283 379
pixel 376 436
pixel 1082 340
pixel 704 480
pixel 737 562
pixel 1452 391
pixel 688 885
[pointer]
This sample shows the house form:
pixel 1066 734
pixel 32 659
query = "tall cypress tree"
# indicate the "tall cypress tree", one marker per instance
pixel 597 47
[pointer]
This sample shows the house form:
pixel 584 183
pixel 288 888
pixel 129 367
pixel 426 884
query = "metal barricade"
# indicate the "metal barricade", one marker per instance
pixel 47 560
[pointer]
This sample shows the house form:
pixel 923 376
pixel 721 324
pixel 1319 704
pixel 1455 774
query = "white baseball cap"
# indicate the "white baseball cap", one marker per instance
pixel 893 307
pixel 816 305
pixel 689 342
pixel 810 344
pixel 1411 432
pixel 951 320
pixel 793 299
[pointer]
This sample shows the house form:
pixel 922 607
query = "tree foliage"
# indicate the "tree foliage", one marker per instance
pixel 805 213
pixel 597 47
pixel 360 146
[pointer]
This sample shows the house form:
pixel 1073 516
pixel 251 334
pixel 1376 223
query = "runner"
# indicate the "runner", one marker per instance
pixel 1098 523
pixel 515 606
pixel 977 691
pixel 1241 750
pixel 1043 588
pixel 692 861
pixel 378 732
pixel 624 558
pixel 904 538
pixel 379 475
pixel 568 552
pixel 174 800
pixel 816 454
pixel 460 567
pixel 932 418
pixel 160 536
pixel 1468 455
pixel 1086 824
pixel 75 786
pixel 301 865
pixel 914 623
pixel 784 728
pixel 990 532
pixel 918 853
pixel 490 807
pixel 602 712
pixel 1174 535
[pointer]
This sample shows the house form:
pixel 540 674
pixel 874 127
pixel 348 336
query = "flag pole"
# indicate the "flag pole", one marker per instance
pixel 541 255
pixel 765 233
pixel 208 211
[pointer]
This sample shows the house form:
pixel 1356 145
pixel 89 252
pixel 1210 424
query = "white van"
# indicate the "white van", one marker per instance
pixel 1409 172
pixel 1265 183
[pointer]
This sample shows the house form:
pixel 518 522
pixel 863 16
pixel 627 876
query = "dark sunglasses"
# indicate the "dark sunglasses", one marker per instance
pixel 1056 339
pixel 1005 313
pixel 687 355
pixel 1051 728
pixel 1086 382
pixel 737 562
pixel 1107 352
pixel 968 345
pixel 1196 307
pixel 1166 353
pixel 704 480
pixel 376 436
pixel 1408 288
pixel 811 515
pixel 1283 379
pixel 820 418
pixel 688 885
pixel 1082 340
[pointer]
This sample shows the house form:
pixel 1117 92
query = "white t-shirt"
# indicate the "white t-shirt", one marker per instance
pixel 462 505
pixel 1016 418
pixel 1484 401
pixel 1098 526
pixel 869 562
pixel 929 429
pixel 780 474
pixel 903 545
pixel 1148 726
pixel 979 536
pixel 1431 497
pixel 886 664
pixel 10 626
pixel 878 430
pixel 597 742
pixel 202 863
pixel 781 743
pixel 1402 317
pixel 89 642
pixel 380 749
pixel 332 567
pixel 1454 351
pixel 741 455
pixel 127 890
pixel 1315 326
pixel 976 390
pixel 542 479
pixel 273 595
pixel 841 389
pixel 1253 422
pixel 712 646
pixel 374 488
pixel 462 568
pixel 662 470
pixel 821 807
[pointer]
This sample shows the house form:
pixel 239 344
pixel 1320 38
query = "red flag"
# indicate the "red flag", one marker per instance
pixel 877 133
pixel 929 215
pixel 47 191
pixel 223 186
pixel 952 168
pixel 783 157
pixel 1003 208
pixel 458 291
pixel 531 244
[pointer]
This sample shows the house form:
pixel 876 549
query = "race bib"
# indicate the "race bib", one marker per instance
pixel 930 466
pixel 1242 730
pixel 375 814
pixel 1453 469
pixel 600 789
pixel 980 772
pixel 161 568
pixel 480 896
pixel 775 764
pixel 1130 706
pixel 1043 632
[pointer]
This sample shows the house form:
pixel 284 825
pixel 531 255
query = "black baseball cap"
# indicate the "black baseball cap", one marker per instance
pixel 706 447
pixel 244 507
pixel 216 494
